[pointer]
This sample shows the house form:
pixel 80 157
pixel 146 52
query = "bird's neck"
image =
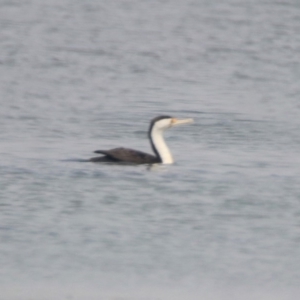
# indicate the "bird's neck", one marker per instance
pixel 160 147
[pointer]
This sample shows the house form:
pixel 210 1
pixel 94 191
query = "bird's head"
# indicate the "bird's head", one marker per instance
pixel 164 122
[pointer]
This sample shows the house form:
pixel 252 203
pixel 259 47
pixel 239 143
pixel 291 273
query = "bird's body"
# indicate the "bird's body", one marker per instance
pixel 125 155
pixel 159 147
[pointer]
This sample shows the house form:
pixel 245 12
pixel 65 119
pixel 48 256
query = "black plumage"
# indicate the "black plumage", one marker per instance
pixel 125 155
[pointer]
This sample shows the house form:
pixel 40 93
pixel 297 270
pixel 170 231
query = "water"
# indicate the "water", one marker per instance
pixel 222 222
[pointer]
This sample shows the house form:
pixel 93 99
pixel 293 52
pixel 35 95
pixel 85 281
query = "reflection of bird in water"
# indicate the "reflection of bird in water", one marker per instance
pixel 162 153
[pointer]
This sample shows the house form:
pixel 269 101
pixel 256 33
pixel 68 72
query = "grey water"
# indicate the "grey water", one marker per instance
pixel 222 222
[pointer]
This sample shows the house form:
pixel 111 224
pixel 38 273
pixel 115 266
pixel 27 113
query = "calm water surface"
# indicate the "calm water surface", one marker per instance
pixel 223 222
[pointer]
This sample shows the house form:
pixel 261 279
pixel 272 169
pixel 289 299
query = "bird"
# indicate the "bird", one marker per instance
pixel 155 134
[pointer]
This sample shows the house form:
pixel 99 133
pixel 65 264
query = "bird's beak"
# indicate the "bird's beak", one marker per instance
pixel 182 121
